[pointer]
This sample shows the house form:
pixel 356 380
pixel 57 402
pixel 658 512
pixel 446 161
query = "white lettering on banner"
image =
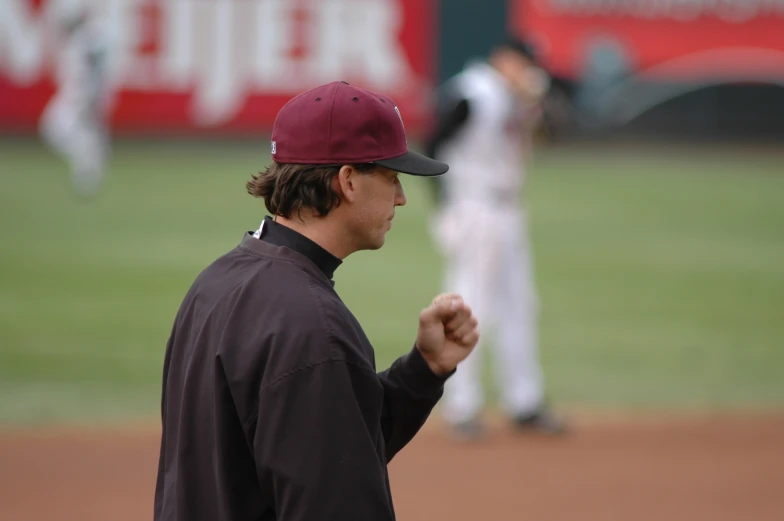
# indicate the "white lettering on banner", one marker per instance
pixel 21 41
pixel 224 50
pixel 121 25
pixel 220 83
pixel 358 37
pixel 735 11
pixel 339 38
pixel 273 45
pixel 177 52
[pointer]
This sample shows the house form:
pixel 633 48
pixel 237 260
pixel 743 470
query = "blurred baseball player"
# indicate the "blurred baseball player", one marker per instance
pixel 74 121
pixel 486 117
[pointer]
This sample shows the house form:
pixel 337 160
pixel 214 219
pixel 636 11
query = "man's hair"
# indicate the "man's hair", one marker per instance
pixel 287 188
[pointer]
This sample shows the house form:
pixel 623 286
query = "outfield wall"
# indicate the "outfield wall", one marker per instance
pixel 704 67
pixel 187 66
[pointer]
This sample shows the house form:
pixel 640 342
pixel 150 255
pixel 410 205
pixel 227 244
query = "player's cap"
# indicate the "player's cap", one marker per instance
pixel 338 124
pixel 521 46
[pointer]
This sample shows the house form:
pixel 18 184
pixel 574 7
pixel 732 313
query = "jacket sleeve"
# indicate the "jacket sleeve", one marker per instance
pixel 316 444
pixel 411 390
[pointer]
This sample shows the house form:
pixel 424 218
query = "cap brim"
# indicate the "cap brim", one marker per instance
pixel 414 164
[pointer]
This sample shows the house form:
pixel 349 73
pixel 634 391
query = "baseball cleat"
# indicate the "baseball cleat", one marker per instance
pixel 541 421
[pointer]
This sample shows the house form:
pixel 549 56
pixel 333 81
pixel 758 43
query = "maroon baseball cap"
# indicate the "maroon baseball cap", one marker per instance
pixel 339 124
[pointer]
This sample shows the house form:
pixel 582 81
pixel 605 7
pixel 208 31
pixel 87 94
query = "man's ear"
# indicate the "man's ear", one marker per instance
pixel 346 182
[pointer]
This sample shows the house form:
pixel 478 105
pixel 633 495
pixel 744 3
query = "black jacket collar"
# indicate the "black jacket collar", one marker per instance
pixel 280 235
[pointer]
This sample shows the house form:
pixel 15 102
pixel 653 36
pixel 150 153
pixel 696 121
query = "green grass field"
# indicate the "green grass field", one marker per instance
pixel 660 273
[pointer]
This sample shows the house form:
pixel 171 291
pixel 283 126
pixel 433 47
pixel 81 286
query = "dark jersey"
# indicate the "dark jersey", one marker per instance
pixel 272 407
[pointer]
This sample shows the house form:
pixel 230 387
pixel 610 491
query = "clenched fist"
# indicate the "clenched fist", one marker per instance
pixel 447 333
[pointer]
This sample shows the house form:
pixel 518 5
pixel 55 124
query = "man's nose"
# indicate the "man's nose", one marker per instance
pixel 400 196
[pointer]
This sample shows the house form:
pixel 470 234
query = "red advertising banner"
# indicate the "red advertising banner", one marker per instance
pixel 206 66
pixel 680 40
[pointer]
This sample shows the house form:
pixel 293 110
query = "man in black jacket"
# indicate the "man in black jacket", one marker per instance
pixel 272 408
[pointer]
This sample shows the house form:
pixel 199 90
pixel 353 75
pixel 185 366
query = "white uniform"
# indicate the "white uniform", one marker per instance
pixel 482 231
pixel 73 122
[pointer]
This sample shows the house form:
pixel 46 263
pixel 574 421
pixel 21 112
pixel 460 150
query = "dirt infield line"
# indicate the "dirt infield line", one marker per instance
pixel 716 467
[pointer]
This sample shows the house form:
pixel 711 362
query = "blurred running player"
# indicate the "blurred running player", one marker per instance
pixel 74 122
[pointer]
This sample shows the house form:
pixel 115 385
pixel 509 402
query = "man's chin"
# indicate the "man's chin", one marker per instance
pixel 374 241
pixel 377 243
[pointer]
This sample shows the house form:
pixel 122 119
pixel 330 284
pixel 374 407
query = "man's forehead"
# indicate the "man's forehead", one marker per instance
pixel 385 171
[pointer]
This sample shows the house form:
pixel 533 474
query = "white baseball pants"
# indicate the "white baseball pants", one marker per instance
pixel 488 262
